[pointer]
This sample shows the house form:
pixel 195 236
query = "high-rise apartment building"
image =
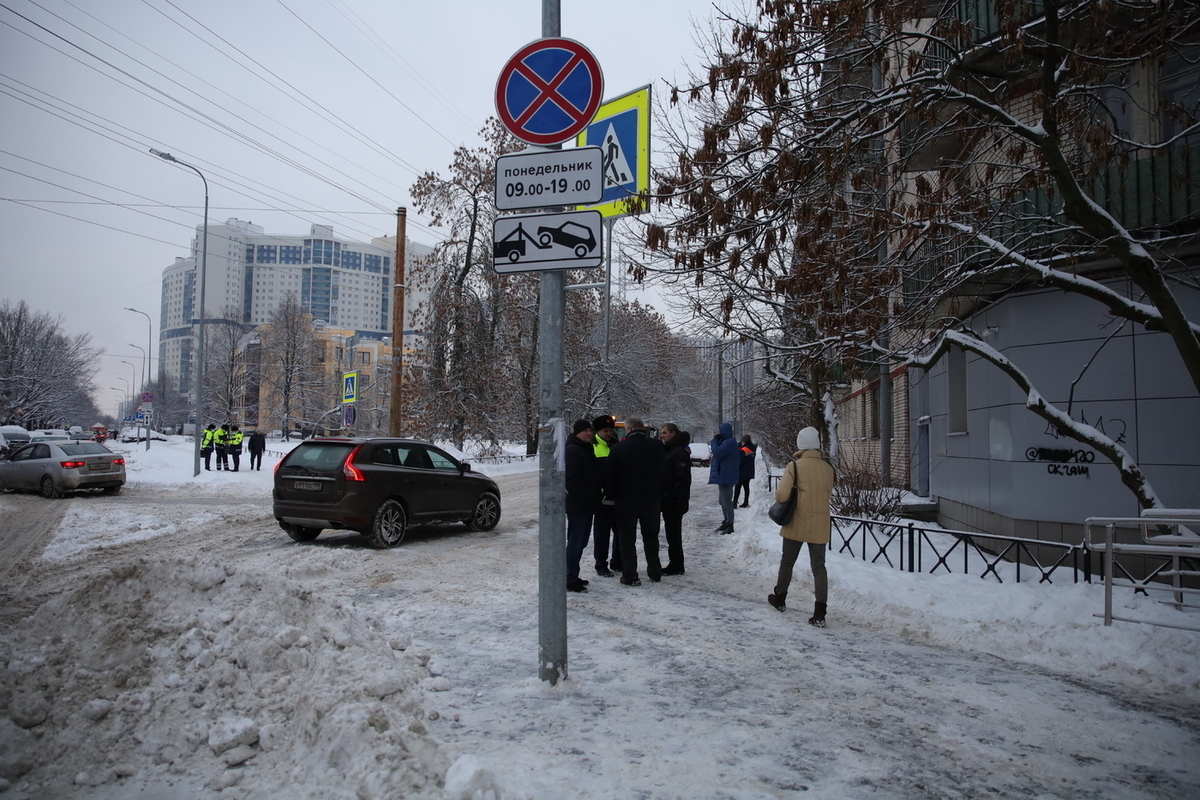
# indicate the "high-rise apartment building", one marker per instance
pixel 345 284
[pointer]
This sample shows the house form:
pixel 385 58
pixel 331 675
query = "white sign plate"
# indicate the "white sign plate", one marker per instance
pixel 536 242
pixel 551 178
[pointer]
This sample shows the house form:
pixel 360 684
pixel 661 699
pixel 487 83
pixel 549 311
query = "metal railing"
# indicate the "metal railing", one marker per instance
pixel 909 547
pixel 1173 557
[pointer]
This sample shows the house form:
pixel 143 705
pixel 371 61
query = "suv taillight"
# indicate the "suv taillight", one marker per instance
pixel 72 464
pixel 352 472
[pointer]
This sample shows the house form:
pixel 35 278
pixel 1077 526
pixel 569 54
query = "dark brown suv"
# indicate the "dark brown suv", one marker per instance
pixel 378 487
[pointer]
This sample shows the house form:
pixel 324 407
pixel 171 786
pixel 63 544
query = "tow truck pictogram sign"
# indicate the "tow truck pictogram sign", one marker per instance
pixel 536 242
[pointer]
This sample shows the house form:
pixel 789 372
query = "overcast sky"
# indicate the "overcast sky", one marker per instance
pixel 296 111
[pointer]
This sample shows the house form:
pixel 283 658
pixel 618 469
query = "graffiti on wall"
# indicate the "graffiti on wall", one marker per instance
pixel 1073 463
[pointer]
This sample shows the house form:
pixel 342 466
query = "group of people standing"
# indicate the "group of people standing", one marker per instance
pixel 619 487
pixel 227 442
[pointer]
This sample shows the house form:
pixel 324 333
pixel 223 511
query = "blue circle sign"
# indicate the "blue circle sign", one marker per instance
pixel 549 91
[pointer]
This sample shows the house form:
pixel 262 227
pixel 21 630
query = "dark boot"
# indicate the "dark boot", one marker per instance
pixel 818 618
pixel 777 599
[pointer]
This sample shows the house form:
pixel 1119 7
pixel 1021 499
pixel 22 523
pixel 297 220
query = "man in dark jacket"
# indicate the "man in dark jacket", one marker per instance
pixel 257 445
pixel 723 471
pixel 634 468
pixel 675 489
pixel 583 495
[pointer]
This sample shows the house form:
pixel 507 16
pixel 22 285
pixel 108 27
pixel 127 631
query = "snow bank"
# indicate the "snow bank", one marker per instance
pixel 192 674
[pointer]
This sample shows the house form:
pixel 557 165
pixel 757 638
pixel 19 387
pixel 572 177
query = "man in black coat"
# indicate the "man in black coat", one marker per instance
pixel 257 446
pixel 634 468
pixel 675 490
pixel 583 495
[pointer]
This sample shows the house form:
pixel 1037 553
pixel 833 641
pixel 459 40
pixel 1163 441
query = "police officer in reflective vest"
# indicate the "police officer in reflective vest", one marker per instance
pixel 222 442
pixel 206 445
pixel 235 447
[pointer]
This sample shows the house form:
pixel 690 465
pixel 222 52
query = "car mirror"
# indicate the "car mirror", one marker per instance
pixel 464 466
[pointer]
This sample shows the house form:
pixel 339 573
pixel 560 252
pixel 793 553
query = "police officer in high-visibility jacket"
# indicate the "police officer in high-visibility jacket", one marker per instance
pixel 235 447
pixel 222 442
pixel 206 445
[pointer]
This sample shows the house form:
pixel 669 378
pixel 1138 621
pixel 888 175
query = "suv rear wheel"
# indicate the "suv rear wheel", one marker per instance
pixel 487 513
pixel 387 529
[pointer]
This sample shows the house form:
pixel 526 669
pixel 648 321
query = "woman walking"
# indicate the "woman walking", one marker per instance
pixel 813 479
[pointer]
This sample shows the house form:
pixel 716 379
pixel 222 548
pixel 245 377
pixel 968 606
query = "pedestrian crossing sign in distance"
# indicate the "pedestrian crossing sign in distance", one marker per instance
pixel 621 129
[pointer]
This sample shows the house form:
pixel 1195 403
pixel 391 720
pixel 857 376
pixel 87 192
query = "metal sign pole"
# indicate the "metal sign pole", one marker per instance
pixel 552 543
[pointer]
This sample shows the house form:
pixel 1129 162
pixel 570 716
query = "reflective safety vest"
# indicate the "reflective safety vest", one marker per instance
pixel 222 437
pixel 210 437
pixel 235 439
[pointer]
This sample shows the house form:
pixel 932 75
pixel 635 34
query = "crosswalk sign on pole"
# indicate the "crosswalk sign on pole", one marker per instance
pixel 349 387
pixel 621 129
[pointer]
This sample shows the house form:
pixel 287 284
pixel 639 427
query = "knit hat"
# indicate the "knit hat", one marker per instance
pixel 808 439
pixel 604 421
pixel 580 426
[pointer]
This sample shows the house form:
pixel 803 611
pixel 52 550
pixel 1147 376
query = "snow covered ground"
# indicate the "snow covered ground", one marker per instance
pixel 172 642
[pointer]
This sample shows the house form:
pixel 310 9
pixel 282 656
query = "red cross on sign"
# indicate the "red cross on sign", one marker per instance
pixel 549 91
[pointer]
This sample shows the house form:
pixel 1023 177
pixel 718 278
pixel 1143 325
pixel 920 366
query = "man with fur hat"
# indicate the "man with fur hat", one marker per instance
pixel 813 478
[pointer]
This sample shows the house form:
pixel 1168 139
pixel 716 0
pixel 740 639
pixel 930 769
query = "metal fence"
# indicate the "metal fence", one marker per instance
pixel 907 546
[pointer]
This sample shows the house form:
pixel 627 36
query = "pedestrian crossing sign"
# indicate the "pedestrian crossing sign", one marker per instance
pixel 349 387
pixel 621 129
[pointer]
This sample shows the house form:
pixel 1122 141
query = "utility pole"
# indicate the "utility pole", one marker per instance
pixel 395 420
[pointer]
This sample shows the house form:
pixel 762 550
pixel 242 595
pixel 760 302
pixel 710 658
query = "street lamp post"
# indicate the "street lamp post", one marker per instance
pixel 133 389
pixel 199 401
pixel 143 389
pixel 149 349
pixel 120 415
pixel 127 390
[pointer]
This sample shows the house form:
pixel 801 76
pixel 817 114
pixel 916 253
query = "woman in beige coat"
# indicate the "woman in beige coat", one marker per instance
pixel 813 478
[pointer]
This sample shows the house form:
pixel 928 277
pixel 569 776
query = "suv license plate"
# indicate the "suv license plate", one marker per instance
pixel 98 467
pixel 306 486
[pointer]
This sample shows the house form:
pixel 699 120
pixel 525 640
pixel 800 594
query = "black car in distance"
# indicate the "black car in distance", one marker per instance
pixel 378 487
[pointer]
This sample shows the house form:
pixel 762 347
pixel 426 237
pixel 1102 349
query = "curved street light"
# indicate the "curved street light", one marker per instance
pixel 199 399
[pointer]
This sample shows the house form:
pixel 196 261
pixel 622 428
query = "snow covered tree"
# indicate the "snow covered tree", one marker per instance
pixel 288 365
pixel 45 375
pixel 225 368
pixel 458 381
pixel 854 179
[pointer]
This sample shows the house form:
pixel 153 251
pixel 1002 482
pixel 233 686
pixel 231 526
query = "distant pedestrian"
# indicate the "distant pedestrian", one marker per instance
pixel 604 525
pixel 256 445
pixel 634 478
pixel 207 443
pixel 723 471
pixel 675 490
pixel 582 476
pixel 813 479
pixel 745 470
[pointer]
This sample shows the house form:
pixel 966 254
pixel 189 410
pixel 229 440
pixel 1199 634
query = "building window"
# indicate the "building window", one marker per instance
pixel 364 357
pixel 956 379
pixel 870 407
pixel 290 254
pixel 265 254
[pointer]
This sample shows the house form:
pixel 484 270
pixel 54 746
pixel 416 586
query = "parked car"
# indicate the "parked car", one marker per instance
pixel 14 434
pixel 378 487
pixel 700 454
pixel 139 435
pixel 48 436
pixel 83 436
pixel 54 468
